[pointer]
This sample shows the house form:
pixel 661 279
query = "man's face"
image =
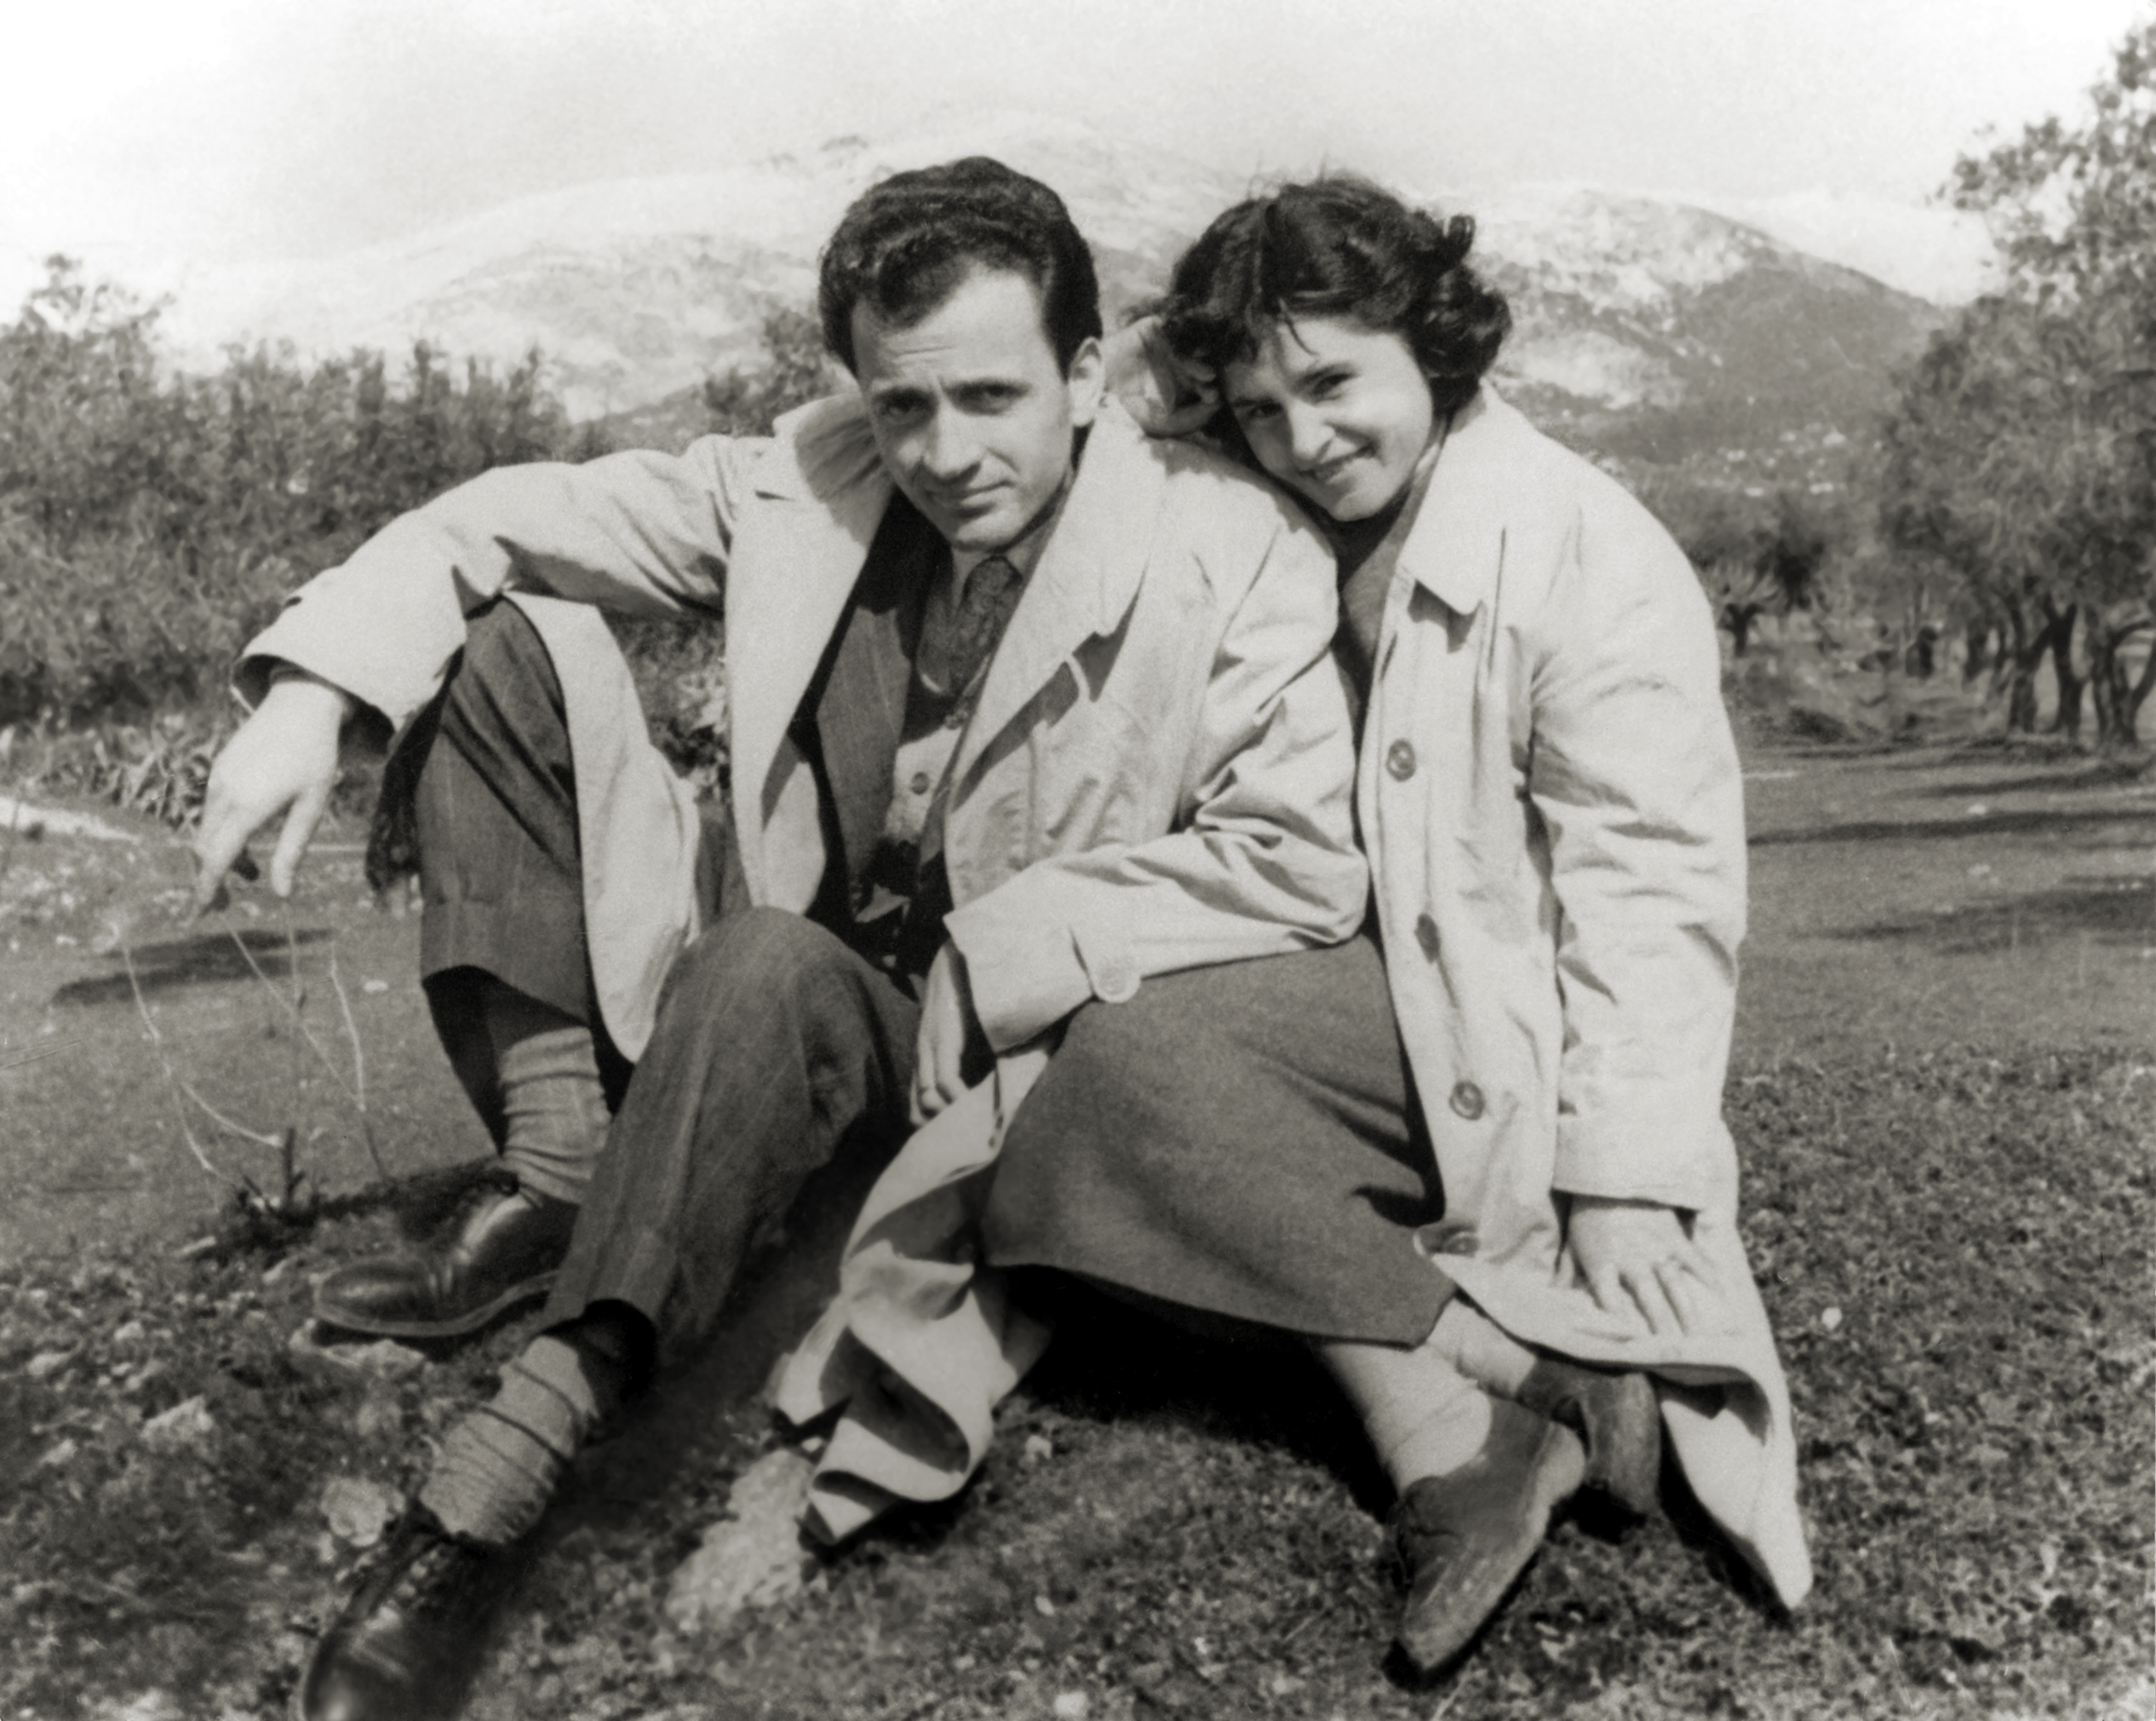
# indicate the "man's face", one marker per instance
pixel 973 416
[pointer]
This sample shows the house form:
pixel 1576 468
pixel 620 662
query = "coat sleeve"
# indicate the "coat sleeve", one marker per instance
pixel 645 533
pixel 1633 773
pixel 1262 860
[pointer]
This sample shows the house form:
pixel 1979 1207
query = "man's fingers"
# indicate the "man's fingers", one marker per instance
pixel 218 843
pixel 299 831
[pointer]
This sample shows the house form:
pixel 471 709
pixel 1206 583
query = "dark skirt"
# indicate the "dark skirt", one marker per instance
pixel 1240 1140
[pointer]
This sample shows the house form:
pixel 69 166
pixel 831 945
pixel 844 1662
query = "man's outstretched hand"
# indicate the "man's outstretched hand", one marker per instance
pixel 283 759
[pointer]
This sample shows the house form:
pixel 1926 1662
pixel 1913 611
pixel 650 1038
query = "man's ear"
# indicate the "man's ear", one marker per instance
pixel 1087 379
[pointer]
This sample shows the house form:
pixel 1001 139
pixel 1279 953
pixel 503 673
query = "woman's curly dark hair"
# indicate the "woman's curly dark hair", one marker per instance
pixel 1339 246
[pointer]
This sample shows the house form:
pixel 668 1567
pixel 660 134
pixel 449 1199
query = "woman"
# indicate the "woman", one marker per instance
pixel 1466 1169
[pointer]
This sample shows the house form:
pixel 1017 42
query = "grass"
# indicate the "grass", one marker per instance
pixel 1943 1092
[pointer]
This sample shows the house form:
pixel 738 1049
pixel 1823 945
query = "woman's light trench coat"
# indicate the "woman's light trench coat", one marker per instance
pixel 1550 798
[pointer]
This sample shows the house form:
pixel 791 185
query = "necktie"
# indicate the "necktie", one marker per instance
pixel 953 664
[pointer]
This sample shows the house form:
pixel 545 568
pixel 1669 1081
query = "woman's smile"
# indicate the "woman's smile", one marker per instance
pixel 1339 413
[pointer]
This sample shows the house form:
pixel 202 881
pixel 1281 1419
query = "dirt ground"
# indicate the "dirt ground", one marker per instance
pixel 1942 1084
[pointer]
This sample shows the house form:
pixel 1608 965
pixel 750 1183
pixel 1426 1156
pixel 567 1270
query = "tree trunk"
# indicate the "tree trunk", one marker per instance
pixel 1977 637
pixel 2059 639
pixel 2118 698
pixel 2019 663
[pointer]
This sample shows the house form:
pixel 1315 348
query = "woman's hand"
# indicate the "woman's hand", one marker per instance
pixel 1639 1255
pixel 1164 395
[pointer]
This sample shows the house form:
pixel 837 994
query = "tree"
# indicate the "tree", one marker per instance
pixel 150 520
pixel 85 428
pixel 797 370
pixel 1754 556
pixel 2022 451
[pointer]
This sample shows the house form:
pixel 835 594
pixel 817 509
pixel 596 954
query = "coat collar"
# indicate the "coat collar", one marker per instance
pixel 1456 542
pixel 794 562
pixel 797 559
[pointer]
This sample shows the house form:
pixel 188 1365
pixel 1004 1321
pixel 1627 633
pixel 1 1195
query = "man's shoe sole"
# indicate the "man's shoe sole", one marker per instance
pixel 537 1286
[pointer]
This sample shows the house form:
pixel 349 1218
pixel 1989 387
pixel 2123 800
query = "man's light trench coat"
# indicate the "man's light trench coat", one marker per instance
pixel 1157 774
pixel 1551 799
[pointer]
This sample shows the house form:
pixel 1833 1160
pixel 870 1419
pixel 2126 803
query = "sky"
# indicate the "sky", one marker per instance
pixel 238 131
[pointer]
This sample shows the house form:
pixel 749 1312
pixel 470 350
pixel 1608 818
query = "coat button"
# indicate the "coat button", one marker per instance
pixel 1426 935
pixel 1467 1100
pixel 1116 981
pixel 1400 760
pixel 1461 1243
pixel 920 783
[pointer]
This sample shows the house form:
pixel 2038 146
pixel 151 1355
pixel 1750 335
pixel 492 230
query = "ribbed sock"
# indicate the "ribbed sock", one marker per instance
pixel 1423 1416
pixel 553 1105
pixel 500 1465
pixel 1480 1348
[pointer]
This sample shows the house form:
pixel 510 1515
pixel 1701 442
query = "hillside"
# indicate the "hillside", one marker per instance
pixel 1649 332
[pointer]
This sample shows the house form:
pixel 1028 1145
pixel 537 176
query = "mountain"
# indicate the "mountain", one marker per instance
pixel 1647 331
pixel 1659 334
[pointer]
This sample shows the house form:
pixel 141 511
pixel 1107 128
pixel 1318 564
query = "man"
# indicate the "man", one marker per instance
pixel 1023 709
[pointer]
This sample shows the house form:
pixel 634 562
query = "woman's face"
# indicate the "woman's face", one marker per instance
pixel 1338 413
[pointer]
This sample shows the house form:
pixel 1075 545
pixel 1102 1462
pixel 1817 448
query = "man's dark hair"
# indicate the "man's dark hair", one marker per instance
pixel 908 241
pixel 1342 247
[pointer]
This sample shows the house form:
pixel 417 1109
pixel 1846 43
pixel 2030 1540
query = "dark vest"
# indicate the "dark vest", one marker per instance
pixel 848 727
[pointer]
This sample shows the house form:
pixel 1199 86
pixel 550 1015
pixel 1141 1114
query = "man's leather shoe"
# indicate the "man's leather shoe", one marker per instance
pixel 502 1248
pixel 1617 1417
pixel 406 1645
pixel 1465 1536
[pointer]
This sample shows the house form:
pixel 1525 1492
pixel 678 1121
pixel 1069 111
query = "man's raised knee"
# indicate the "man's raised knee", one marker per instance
pixel 762 948
pixel 503 649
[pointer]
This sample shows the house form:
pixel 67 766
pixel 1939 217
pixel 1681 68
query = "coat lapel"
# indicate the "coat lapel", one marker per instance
pixel 800 545
pixel 1455 547
pixel 1088 574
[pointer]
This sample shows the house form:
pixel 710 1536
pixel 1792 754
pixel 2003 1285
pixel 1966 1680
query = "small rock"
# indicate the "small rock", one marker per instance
pixel 48 1363
pixel 379 1413
pixel 56 1457
pixel 1043 1606
pixel 357 1509
pixel 753 1557
pixel 1038 1446
pixel 1069 1706
pixel 127 1334
pixel 1830 1318
pixel 186 1426
pixel 384 1360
